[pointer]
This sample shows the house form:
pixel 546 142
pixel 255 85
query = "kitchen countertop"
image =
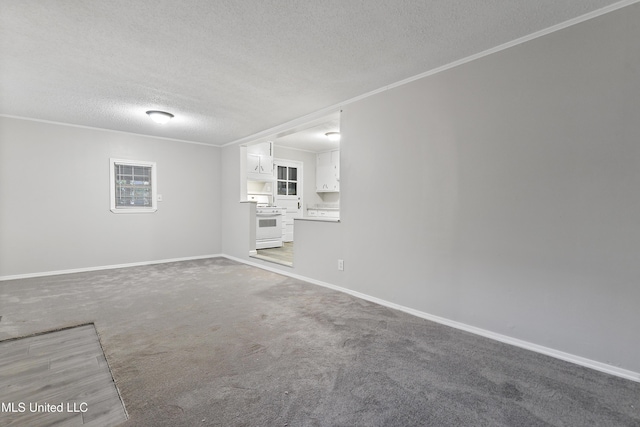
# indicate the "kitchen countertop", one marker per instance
pixel 321 219
pixel 324 207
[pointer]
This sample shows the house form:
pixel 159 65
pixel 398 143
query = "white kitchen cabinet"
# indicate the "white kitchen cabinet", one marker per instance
pixel 260 161
pixel 324 213
pixel 287 226
pixel 328 172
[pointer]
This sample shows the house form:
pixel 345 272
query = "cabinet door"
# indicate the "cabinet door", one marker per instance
pixel 324 171
pixel 335 163
pixel 324 159
pixel 335 157
pixel 266 165
pixel 253 163
pixel 261 149
pixel 260 160
pixel 266 158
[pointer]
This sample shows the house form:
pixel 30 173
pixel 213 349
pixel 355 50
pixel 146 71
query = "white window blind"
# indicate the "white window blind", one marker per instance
pixel 133 186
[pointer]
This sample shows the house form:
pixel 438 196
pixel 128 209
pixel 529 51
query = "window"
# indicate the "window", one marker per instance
pixel 133 186
pixel 287 181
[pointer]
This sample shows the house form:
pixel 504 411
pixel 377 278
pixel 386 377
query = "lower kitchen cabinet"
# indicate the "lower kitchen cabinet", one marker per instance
pixel 323 213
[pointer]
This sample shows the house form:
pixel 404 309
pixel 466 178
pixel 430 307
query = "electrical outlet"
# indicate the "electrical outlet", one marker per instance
pixel 341 265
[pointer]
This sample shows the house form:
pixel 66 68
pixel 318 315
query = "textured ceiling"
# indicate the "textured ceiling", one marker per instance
pixel 230 69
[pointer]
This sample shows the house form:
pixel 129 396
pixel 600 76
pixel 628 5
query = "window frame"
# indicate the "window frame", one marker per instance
pixel 287 179
pixel 114 187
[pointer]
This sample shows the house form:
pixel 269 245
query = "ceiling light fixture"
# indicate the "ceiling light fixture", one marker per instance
pixel 160 117
pixel 333 136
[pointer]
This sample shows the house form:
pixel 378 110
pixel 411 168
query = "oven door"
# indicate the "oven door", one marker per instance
pixel 269 226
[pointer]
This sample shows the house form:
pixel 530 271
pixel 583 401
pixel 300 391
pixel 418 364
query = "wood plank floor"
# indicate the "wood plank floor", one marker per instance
pixel 59 378
pixel 282 255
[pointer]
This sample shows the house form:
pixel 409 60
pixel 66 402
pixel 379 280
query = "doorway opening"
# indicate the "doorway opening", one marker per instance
pixel 288 201
pixel 291 175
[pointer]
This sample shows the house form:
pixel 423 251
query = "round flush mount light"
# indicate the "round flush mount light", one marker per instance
pixel 160 117
pixel 333 136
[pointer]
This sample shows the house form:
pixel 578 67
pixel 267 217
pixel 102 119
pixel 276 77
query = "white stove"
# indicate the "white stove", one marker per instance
pixel 268 227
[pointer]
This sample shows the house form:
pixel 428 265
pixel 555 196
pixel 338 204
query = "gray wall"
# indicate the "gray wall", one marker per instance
pixel 510 188
pixel 237 221
pixel 54 199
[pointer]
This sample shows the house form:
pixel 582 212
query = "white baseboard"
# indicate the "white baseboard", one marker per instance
pixel 104 267
pixel 568 357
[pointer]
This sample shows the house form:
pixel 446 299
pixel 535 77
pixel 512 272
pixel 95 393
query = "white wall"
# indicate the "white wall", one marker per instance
pixel 510 190
pixel 54 199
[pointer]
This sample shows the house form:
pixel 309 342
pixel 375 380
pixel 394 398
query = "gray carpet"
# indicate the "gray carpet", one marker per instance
pixel 214 342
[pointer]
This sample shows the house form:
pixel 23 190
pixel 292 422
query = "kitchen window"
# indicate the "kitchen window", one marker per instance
pixel 133 186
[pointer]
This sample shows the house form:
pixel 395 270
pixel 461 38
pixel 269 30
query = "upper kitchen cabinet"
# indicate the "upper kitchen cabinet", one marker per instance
pixel 328 172
pixel 260 161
